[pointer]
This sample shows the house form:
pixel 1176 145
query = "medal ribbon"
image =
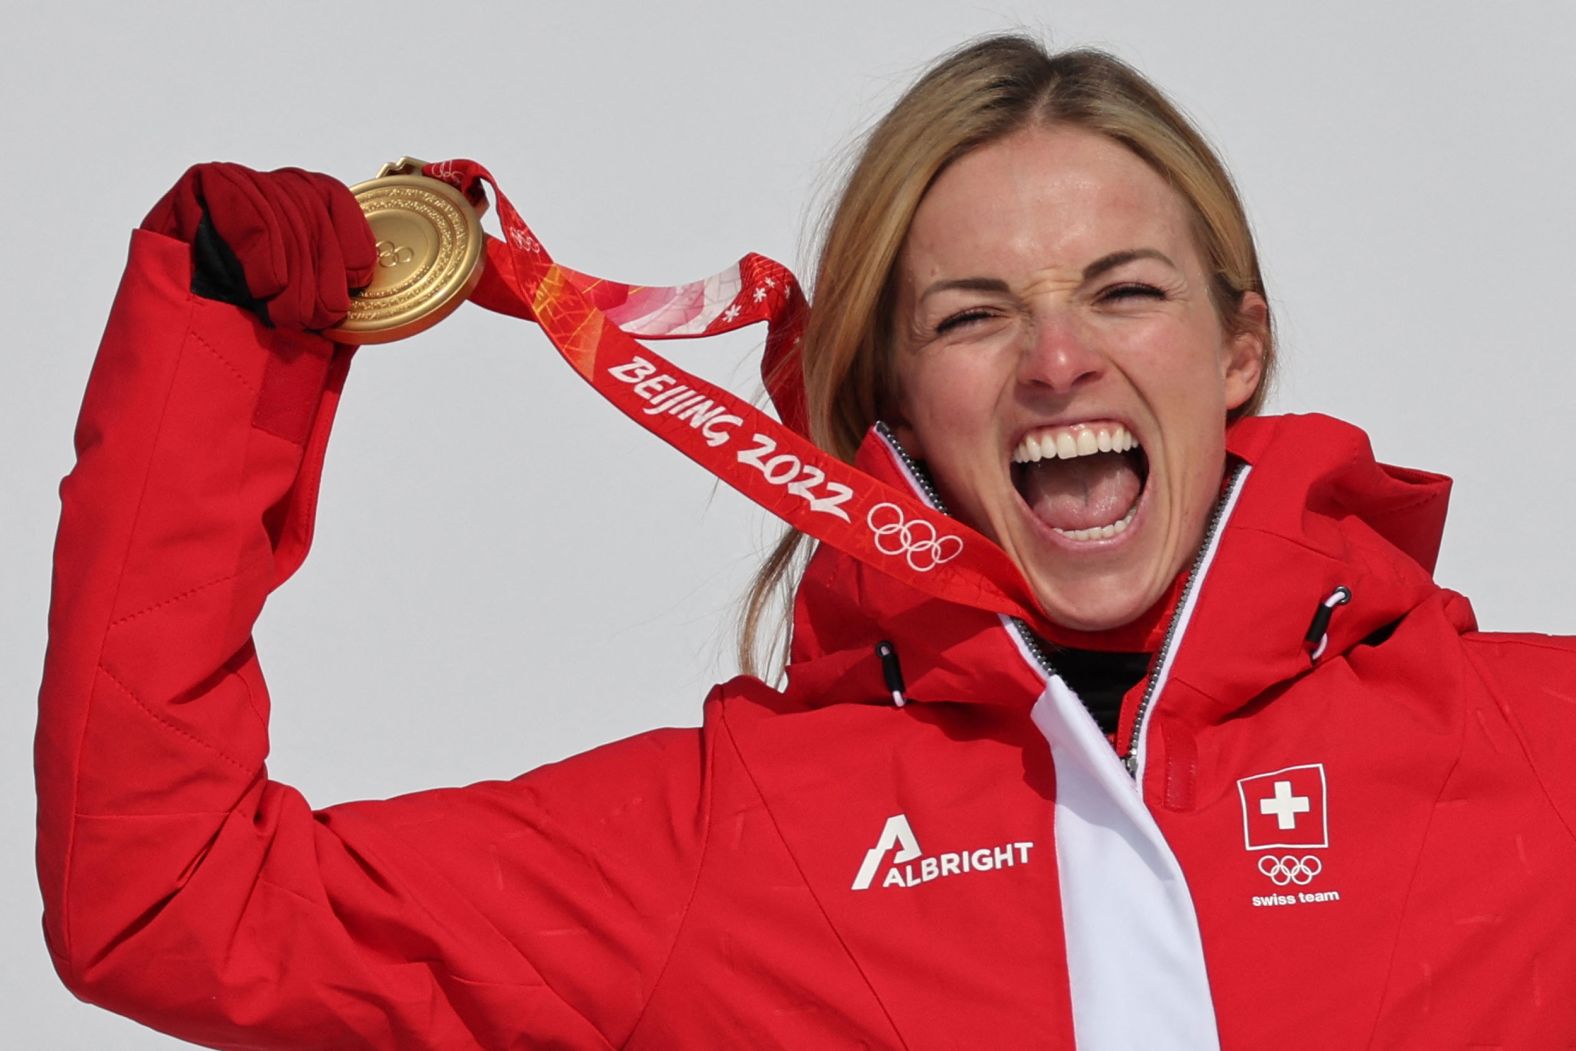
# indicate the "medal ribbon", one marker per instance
pixel 595 325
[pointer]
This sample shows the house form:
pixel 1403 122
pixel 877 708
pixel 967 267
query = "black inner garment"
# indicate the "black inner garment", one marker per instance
pixel 1101 680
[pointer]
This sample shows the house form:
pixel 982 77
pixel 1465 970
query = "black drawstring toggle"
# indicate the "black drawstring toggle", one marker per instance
pixel 1318 636
pixel 891 672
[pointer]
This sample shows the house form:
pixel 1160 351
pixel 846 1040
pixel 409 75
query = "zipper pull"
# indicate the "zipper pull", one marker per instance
pixel 1130 761
pixel 891 672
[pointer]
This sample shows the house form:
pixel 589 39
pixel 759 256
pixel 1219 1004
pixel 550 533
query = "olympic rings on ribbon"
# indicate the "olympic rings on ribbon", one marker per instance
pixel 1290 869
pixel 917 540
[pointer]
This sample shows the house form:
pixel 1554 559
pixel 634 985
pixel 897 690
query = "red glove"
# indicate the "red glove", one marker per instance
pixel 288 245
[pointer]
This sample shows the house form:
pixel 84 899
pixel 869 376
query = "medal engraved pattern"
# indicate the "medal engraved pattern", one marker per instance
pixel 429 258
pixel 416 276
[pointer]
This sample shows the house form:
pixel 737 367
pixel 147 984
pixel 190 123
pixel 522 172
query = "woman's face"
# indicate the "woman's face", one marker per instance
pixel 1052 305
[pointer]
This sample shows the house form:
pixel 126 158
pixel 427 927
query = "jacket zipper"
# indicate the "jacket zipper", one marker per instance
pixel 1130 760
pixel 1032 641
pixel 918 473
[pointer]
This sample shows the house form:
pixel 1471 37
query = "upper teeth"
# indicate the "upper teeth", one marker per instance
pixel 1066 443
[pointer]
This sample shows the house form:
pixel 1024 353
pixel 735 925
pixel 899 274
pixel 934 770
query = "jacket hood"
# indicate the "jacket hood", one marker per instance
pixel 1314 512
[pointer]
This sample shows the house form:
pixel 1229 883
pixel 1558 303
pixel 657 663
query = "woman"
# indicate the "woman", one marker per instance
pixel 1312 808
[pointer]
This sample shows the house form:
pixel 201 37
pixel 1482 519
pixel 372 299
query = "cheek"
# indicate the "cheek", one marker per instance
pixel 1205 459
pixel 910 405
pixel 1195 439
pixel 943 398
pixel 1182 375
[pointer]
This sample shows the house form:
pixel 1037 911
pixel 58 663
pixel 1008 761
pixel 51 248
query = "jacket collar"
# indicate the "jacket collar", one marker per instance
pixel 1314 513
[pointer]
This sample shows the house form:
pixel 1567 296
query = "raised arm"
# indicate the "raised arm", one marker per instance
pixel 183 887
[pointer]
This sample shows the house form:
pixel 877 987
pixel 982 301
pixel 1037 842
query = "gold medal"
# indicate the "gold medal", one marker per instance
pixel 430 254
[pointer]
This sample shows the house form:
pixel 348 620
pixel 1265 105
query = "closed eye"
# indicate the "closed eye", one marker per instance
pixel 961 319
pixel 1133 290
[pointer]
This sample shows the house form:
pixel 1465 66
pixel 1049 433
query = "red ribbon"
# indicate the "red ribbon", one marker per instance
pixel 595 325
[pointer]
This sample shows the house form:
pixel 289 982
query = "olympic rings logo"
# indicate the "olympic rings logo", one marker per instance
pixel 391 254
pixel 445 171
pixel 522 240
pixel 918 540
pixel 1290 869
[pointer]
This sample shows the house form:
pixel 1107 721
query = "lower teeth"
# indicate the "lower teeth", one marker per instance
pixel 1104 532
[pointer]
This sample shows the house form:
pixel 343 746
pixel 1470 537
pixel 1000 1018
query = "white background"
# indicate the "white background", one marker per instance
pixel 507 571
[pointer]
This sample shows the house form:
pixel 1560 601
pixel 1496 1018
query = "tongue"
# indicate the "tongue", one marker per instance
pixel 1083 493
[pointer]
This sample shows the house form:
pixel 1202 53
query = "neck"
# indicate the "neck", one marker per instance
pixel 1143 634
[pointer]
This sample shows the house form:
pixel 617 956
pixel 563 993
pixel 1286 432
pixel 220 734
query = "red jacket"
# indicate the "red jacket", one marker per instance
pixel 1370 848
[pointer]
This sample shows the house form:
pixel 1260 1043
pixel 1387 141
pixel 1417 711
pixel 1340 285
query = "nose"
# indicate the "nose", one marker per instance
pixel 1059 355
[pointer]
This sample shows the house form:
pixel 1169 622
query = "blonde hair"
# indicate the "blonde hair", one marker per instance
pixel 980 93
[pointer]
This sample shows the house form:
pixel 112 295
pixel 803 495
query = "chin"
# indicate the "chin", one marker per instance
pixel 1095 585
pixel 1100 585
pixel 1096 605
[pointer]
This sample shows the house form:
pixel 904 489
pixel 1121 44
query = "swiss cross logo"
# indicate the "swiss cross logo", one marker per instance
pixel 1285 808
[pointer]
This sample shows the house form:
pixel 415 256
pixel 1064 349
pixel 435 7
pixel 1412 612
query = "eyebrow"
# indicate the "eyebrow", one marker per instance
pixel 1126 255
pixel 1090 272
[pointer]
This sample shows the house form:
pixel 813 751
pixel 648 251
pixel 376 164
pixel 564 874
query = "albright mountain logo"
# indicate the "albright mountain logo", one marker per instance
pixel 909 866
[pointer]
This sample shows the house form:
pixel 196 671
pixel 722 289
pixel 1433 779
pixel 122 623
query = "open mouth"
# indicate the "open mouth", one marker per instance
pixel 1083 481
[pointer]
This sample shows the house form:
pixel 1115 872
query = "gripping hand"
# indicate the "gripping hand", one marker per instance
pixel 288 245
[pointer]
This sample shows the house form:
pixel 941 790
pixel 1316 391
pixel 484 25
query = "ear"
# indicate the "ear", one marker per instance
pixel 1243 354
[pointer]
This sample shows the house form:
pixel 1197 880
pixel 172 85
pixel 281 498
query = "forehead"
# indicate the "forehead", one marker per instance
pixel 1043 198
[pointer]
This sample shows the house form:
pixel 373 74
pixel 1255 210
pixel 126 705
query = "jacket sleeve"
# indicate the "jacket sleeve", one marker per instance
pixel 184 888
